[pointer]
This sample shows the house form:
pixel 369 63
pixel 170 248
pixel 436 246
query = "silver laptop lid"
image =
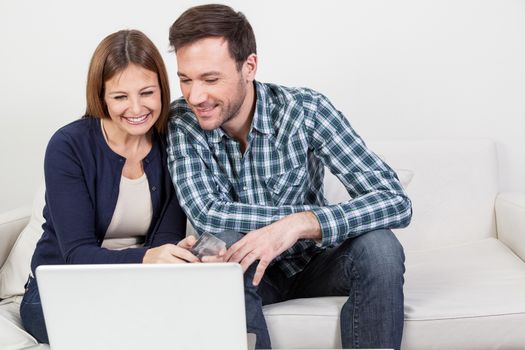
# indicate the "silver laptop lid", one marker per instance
pixel 135 306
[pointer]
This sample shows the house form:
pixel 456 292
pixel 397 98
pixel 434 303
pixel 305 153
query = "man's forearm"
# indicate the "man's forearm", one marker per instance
pixel 380 209
pixel 212 214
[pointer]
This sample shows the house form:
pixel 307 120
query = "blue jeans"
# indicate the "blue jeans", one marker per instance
pixel 32 314
pixel 368 269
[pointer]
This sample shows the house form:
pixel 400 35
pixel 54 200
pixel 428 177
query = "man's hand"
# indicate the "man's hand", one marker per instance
pixel 170 253
pixel 266 243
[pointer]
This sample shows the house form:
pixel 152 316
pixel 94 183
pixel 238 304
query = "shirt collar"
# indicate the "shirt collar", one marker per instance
pixel 261 117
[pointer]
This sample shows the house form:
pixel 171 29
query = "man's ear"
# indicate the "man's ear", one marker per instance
pixel 250 67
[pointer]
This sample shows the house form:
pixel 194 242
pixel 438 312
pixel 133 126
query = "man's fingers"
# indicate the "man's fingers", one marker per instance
pixel 259 272
pixel 248 260
pixel 241 253
pixel 233 249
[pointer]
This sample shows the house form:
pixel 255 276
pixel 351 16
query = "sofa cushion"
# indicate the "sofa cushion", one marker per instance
pixel 14 337
pixel 477 279
pixel 474 292
pixel 12 223
pixel 16 268
pixel 469 296
pixel 305 323
pixel 453 189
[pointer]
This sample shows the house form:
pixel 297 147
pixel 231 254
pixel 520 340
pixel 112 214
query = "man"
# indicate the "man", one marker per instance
pixel 249 157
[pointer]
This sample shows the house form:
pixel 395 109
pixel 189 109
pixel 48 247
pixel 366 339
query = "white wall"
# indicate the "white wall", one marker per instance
pixel 397 69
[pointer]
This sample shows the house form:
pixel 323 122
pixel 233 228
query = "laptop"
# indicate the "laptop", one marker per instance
pixel 143 306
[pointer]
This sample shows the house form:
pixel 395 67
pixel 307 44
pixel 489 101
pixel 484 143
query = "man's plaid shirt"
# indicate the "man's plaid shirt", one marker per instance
pixel 295 133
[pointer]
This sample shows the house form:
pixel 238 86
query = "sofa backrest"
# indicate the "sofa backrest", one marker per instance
pixel 453 187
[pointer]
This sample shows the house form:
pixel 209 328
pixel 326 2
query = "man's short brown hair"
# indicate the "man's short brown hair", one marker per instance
pixel 214 20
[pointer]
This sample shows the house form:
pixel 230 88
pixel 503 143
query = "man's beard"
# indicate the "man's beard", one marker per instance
pixel 233 109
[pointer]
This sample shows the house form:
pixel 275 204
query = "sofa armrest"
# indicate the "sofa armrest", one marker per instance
pixel 510 219
pixel 11 224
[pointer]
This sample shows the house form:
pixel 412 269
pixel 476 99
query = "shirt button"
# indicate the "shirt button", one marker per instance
pixel 154 188
pixel 245 188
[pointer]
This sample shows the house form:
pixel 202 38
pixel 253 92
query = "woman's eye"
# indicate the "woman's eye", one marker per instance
pixel 119 97
pixel 147 93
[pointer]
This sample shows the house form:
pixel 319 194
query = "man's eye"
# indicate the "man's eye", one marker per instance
pixel 212 81
pixel 184 81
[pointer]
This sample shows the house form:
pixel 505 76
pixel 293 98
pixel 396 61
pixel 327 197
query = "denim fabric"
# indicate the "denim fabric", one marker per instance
pixel 369 269
pixel 255 322
pixel 32 314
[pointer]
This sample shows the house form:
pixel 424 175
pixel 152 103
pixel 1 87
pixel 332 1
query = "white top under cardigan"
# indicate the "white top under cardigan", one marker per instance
pixel 132 217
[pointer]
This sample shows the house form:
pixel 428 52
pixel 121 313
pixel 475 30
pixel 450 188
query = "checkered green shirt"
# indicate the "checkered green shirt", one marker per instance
pixel 295 133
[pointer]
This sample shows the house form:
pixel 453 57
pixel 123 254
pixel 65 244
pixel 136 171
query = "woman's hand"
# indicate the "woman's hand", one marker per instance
pixel 171 253
pixel 187 242
pixel 180 253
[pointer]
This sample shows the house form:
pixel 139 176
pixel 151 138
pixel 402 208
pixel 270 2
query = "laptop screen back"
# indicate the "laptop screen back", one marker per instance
pixel 135 306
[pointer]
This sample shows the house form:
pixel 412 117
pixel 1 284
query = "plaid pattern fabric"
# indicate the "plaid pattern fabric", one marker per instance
pixel 295 133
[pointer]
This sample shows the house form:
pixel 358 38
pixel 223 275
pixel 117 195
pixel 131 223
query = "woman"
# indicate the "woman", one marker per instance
pixel 109 196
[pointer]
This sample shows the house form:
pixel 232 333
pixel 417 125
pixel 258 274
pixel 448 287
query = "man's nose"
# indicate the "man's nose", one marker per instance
pixel 197 94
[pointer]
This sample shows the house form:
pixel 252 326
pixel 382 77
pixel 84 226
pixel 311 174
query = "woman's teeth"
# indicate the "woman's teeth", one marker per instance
pixel 137 119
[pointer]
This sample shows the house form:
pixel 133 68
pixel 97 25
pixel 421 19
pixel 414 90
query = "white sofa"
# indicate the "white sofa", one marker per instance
pixel 465 274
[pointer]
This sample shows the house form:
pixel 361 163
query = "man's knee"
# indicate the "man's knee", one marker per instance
pixel 377 253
